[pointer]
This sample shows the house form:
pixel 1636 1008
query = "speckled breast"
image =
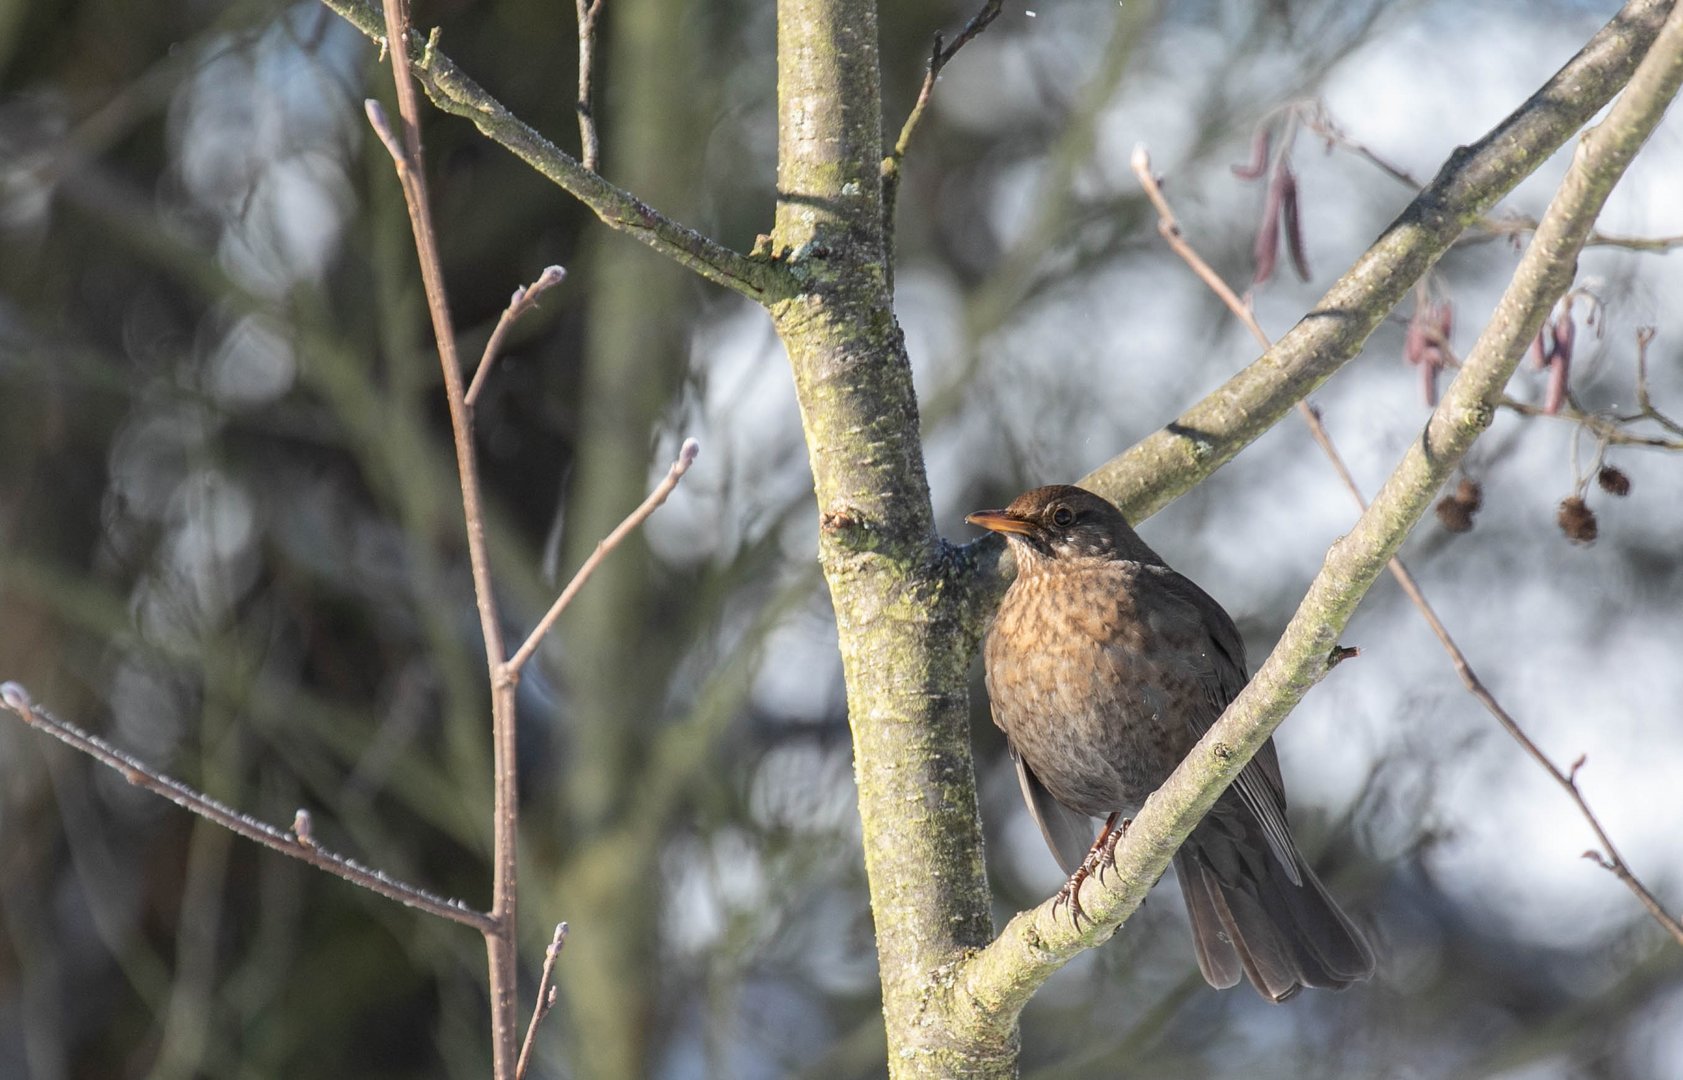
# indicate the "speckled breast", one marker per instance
pixel 1084 683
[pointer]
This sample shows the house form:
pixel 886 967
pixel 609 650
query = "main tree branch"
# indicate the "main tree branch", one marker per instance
pixel 993 985
pixel 903 656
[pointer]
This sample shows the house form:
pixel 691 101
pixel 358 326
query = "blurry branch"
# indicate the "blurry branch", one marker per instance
pixel 1069 234
pixel 686 457
pixel 455 93
pixel 1644 338
pixel 501 936
pixel 1205 437
pixel 590 146
pixel 1607 429
pixel 1608 858
pixel 299 844
pixel 939 57
pixel 522 300
pixel 994 984
pixel 1079 233
pixel 1516 226
pixel 1612 429
pixel 545 1000
pixel 1612 861
pixel 1056 203
pixel 1574 1026
pixel 1138 1050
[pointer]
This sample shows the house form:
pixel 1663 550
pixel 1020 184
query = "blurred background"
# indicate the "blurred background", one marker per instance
pixel 230 541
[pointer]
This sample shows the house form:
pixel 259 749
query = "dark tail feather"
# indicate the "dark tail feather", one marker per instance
pixel 1249 917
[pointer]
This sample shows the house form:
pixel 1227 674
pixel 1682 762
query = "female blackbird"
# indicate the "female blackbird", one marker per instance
pixel 1104 667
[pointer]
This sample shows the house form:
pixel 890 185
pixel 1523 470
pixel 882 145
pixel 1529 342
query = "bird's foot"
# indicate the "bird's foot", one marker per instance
pixel 1114 837
pixel 1100 856
pixel 1070 896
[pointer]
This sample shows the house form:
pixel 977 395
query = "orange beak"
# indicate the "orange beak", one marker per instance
pixel 1000 521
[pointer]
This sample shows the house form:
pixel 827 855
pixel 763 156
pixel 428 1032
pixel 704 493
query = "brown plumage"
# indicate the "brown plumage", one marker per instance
pixel 1104 667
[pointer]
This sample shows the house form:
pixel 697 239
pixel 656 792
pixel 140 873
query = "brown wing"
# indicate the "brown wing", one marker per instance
pixel 1068 833
pixel 1222 674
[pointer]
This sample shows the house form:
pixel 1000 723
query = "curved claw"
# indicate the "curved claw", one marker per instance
pixel 1115 835
pixel 1070 897
pixel 1100 856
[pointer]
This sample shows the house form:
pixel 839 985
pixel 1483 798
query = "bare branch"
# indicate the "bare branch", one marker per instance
pixel 501 936
pixel 546 993
pixel 686 457
pixel 997 980
pixel 939 57
pixel 1206 436
pixel 523 300
pixel 590 147
pixel 1607 429
pixel 1170 229
pixel 299 844
pixel 455 93
pixel 1518 226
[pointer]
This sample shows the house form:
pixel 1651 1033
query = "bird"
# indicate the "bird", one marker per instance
pixel 1104 667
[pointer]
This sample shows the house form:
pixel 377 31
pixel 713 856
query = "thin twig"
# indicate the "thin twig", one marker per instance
pixel 1489 227
pixel 522 301
pixel 1496 228
pixel 939 57
pixel 546 996
pixel 1607 429
pixel 590 147
pixel 686 458
pixel 1170 229
pixel 1644 337
pixel 299 844
pixel 502 960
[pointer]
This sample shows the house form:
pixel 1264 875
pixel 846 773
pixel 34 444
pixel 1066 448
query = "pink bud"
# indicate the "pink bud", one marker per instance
pixel 1560 369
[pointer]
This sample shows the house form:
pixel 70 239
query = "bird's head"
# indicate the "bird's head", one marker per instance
pixel 1064 523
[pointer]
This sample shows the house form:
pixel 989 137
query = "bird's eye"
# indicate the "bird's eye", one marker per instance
pixel 1063 517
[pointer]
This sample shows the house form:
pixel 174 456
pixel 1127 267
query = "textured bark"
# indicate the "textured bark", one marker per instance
pixel 887 569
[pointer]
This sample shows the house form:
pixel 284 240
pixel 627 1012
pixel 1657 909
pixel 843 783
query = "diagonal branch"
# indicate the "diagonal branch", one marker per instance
pixel 455 93
pixel 1171 460
pixel 524 298
pixel 939 57
pixel 669 483
pixel 993 984
pixel 298 843
pixel 1609 858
